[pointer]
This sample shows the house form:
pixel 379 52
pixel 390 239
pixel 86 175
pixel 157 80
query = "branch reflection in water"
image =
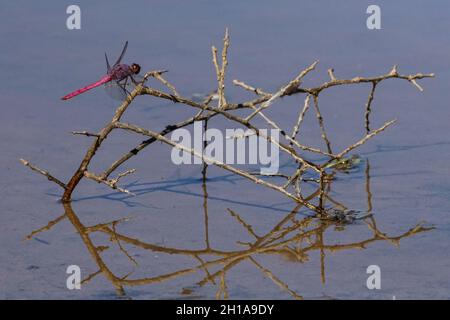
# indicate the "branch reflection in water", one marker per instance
pixel 294 237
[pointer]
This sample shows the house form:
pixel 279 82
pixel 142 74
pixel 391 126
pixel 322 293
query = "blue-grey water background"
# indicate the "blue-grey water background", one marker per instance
pixel 41 60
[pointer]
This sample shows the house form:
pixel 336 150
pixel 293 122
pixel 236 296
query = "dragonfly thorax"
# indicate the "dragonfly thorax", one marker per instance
pixel 121 71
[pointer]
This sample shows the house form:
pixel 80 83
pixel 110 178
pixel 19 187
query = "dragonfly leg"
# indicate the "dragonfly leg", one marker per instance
pixel 125 86
pixel 122 84
pixel 134 81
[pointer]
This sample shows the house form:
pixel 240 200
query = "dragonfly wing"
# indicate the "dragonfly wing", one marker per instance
pixel 108 66
pixel 122 54
pixel 116 90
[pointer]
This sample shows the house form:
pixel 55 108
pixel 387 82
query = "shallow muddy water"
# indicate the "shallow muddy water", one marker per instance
pixel 224 237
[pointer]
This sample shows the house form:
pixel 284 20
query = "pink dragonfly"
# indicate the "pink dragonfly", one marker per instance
pixel 116 79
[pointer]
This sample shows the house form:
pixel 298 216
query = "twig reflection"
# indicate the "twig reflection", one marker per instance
pixel 294 237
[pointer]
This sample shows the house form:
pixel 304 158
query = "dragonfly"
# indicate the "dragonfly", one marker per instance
pixel 116 79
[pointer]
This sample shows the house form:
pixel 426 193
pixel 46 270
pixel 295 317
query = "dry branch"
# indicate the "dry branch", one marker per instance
pixel 85 133
pixel 43 172
pixel 112 183
pixel 247 87
pixel 220 70
pixel 367 137
pixel 205 112
pixel 131 127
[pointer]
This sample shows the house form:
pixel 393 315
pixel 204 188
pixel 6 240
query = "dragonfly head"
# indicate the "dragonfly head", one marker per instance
pixel 135 68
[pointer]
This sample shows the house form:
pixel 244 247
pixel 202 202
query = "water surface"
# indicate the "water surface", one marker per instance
pixel 405 169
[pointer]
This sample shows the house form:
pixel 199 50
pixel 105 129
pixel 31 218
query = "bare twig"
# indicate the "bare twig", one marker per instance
pixel 220 164
pixel 220 70
pixel 301 116
pixel 321 124
pixel 367 137
pixel 85 133
pixel 44 173
pixel 205 112
pixel 369 105
pixel 112 183
pixel 247 87
pixel 285 90
pixel 166 83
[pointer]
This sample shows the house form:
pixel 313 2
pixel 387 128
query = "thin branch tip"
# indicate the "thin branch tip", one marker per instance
pixel 44 173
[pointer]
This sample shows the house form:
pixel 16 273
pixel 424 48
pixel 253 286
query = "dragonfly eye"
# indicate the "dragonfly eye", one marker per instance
pixel 135 68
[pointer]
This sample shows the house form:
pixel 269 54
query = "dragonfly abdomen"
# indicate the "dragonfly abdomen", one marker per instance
pixel 103 80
